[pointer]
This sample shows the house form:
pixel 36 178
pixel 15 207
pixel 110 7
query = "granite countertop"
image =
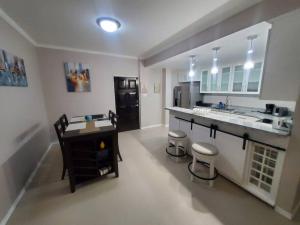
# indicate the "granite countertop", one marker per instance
pixel 249 120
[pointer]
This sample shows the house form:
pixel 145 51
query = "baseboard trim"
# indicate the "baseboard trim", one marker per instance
pixel 151 126
pixel 22 192
pixel 284 213
pixel 296 209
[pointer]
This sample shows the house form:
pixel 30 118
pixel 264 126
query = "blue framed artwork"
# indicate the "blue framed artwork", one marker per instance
pixel 77 77
pixel 12 70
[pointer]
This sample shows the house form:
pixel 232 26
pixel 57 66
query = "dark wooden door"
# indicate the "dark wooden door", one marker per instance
pixel 127 102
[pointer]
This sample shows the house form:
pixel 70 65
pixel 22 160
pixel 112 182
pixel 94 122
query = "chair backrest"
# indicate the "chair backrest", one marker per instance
pixel 110 114
pixel 59 131
pixel 64 122
pixel 114 119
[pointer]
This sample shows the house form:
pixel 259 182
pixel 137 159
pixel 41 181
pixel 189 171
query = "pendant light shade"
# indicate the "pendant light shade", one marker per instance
pixel 249 64
pixel 192 66
pixel 214 69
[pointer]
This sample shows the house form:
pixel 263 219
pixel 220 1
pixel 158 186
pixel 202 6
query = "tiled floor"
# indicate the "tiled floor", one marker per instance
pixel 151 189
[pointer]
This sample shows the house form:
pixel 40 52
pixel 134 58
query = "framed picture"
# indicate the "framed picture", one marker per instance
pixel 77 77
pixel 12 70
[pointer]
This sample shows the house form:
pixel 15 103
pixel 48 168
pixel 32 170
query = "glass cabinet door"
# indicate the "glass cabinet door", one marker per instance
pixel 225 78
pixel 254 78
pixel 238 77
pixel 214 82
pixel 204 81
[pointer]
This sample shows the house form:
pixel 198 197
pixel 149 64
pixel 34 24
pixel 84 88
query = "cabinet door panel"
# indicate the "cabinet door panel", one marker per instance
pixel 214 82
pixel 173 123
pixel 238 78
pixel 200 134
pixel 186 127
pixel 254 78
pixel 225 78
pixel 204 81
pixel 231 159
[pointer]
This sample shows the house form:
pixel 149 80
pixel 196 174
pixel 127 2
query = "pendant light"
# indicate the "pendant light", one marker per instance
pixel 192 66
pixel 214 69
pixel 249 64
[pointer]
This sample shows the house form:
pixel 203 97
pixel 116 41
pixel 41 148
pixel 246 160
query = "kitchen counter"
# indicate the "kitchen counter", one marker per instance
pixel 231 118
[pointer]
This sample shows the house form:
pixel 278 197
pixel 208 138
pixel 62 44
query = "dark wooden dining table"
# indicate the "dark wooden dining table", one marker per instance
pixel 81 149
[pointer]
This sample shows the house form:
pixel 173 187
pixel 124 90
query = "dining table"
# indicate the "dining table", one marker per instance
pixel 90 147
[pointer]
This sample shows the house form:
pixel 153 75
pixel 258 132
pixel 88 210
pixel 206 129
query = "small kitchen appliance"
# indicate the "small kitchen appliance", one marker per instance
pixel 269 108
pixel 280 111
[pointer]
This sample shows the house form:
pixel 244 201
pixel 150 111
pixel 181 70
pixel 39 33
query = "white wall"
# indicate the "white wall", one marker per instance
pixel 24 131
pixel 281 79
pixel 168 94
pixel 99 100
pixel 151 103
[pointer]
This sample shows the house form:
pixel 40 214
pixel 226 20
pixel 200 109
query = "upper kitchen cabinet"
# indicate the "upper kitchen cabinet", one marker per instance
pixel 235 64
pixel 254 79
pixel 205 84
pixel 225 79
pixel 183 76
pixel 233 80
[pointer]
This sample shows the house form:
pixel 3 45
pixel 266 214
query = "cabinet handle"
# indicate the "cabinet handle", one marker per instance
pixel 192 121
pixel 211 130
pixel 246 137
pixel 215 131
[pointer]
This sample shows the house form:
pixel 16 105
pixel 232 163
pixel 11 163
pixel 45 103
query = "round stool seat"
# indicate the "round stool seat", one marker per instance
pixel 177 134
pixel 205 148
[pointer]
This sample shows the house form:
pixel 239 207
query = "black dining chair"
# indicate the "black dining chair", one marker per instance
pixel 114 119
pixel 64 122
pixel 110 114
pixel 59 128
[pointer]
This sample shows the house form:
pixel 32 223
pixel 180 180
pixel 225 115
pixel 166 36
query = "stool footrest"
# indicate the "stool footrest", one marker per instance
pixel 174 155
pixel 216 174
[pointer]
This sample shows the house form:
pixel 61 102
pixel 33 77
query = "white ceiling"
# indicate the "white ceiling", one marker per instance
pixel 233 49
pixel 145 23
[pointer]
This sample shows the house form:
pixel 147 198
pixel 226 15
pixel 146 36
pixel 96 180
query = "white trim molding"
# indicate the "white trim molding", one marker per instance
pixel 28 182
pixel 84 51
pixel 284 213
pixel 14 25
pixel 151 126
pixel 21 31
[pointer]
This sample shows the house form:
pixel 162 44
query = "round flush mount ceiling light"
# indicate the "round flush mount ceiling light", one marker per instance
pixel 108 24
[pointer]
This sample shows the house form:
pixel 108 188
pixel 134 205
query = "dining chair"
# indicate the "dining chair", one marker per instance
pixel 110 114
pixel 59 128
pixel 64 122
pixel 114 119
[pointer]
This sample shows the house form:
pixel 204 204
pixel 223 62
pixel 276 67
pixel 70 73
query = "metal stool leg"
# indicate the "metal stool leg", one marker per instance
pixel 193 167
pixel 177 151
pixel 211 172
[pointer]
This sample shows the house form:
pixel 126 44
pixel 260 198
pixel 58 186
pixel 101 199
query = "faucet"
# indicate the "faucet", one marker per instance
pixel 227 101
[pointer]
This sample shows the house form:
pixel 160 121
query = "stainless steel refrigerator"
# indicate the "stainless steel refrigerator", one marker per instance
pixel 187 94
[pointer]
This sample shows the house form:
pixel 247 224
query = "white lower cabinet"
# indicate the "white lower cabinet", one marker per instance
pixel 232 158
pixel 173 123
pixel 257 168
pixel 185 126
pixel 263 171
pixel 200 134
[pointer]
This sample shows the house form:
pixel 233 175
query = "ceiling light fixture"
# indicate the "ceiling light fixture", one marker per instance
pixel 249 64
pixel 108 24
pixel 192 66
pixel 214 69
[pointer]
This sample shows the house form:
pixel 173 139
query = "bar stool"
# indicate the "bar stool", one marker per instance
pixel 177 139
pixel 205 154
